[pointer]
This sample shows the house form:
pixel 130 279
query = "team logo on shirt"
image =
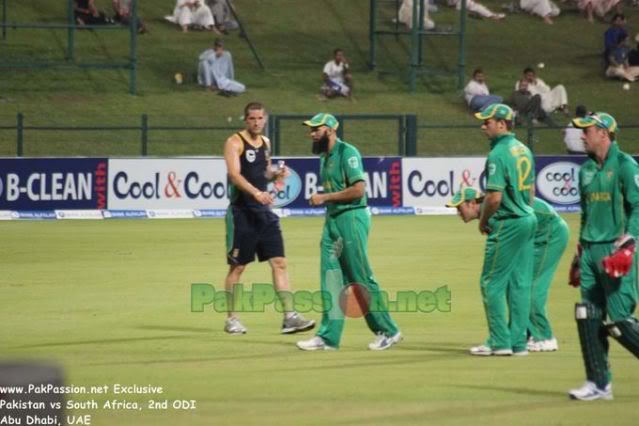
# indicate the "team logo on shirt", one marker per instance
pixel 353 162
pixel 637 180
pixel 250 155
pixel 609 174
pixel 587 178
pixel 492 168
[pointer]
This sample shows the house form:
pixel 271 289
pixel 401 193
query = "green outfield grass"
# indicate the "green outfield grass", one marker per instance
pixel 294 38
pixel 109 301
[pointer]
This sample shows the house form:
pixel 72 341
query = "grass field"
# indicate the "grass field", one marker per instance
pixel 109 301
pixel 294 46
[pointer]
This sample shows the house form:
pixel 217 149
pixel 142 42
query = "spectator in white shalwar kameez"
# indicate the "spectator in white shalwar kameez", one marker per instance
pixel 551 99
pixel 215 71
pixel 544 8
pixel 405 15
pixel 192 12
pixel 598 7
pixel 477 8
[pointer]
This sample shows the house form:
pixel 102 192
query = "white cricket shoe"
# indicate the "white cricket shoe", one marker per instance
pixel 549 345
pixel 383 341
pixel 590 392
pixel 484 350
pixel 234 326
pixel 314 344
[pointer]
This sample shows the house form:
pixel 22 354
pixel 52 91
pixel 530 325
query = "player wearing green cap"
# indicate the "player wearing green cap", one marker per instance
pixel 509 221
pixel 606 262
pixel 550 240
pixel 344 254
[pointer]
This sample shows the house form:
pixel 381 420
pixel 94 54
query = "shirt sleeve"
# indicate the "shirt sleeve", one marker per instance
pixel 495 173
pixel 630 190
pixel 352 166
pixel 327 69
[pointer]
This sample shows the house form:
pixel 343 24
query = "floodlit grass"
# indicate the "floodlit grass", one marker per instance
pixel 109 301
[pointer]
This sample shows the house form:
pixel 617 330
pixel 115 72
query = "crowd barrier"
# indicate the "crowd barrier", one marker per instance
pixel 156 188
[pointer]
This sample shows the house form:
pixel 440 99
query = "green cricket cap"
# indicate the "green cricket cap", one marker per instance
pixel 465 194
pixel 322 119
pixel 498 111
pixel 602 120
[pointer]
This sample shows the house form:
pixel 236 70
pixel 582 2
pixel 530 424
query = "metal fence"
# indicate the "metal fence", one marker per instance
pixel 165 135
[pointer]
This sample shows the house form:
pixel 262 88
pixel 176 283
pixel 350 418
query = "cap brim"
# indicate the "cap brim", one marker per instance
pixel 309 123
pixel 481 116
pixel 453 205
pixel 582 123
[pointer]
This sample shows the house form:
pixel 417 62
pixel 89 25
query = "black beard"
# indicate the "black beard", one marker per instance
pixel 321 146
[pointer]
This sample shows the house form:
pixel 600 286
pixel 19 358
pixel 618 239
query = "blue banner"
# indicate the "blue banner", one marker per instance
pixel 53 183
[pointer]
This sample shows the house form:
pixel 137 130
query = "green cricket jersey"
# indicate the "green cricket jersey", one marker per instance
pixel 510 169
pixel 547 220
pixel 609 197
pixel 339 169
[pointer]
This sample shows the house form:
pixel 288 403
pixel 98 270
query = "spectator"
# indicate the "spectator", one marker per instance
pixel 405 15
pixel 216 73
pixel 527 105
pixel 477 94
pixel 122 9
pixel 619 65
pixel 477 8
pixel 544 8
pixel 337 77
pixel 598 7
pixel 551 99
pixel 222 14
pixel 85 13
pixel 192 12
pixel 614 34
pixel 572 135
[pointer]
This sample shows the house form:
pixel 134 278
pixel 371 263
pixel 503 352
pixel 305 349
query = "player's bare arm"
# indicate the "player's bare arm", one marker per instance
pixel 232 152
pixel 349 194
pixel 492 201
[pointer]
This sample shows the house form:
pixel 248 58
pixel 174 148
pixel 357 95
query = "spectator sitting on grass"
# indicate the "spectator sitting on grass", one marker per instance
pixel 224 20
pixel 572 135
pixel 598 7
pixel 614 34
pixel 337 77
pixel 544 8
pixel 527 105
pixel 405 15
pixel 551 99
pixel 122 9
pixel 216 72
pixel 476 92
pixel 192 13
pixel 619 66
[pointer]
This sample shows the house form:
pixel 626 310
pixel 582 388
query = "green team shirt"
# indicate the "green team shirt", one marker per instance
pixel 609 197
pixel 510 169
pixel 547 220
pixel 339 169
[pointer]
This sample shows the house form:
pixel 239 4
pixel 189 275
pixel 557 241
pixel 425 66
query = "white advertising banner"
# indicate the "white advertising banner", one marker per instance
pixel 429 183
pixel 161 184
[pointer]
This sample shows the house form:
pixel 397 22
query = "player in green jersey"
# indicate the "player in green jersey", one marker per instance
pixel 508 220
pixel 606 264
pixel 344 253
pixel 550 240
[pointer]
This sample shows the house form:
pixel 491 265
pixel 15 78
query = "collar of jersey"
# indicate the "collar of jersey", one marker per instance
pixel 334 150
pixel 500 138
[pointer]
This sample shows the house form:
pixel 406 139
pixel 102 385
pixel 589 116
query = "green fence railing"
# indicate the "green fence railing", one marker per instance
pixel 374 134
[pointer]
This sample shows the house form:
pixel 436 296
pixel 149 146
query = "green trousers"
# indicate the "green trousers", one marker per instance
pixel 506 281
pixel 344 260
pixel 548 251
pixel 615 297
